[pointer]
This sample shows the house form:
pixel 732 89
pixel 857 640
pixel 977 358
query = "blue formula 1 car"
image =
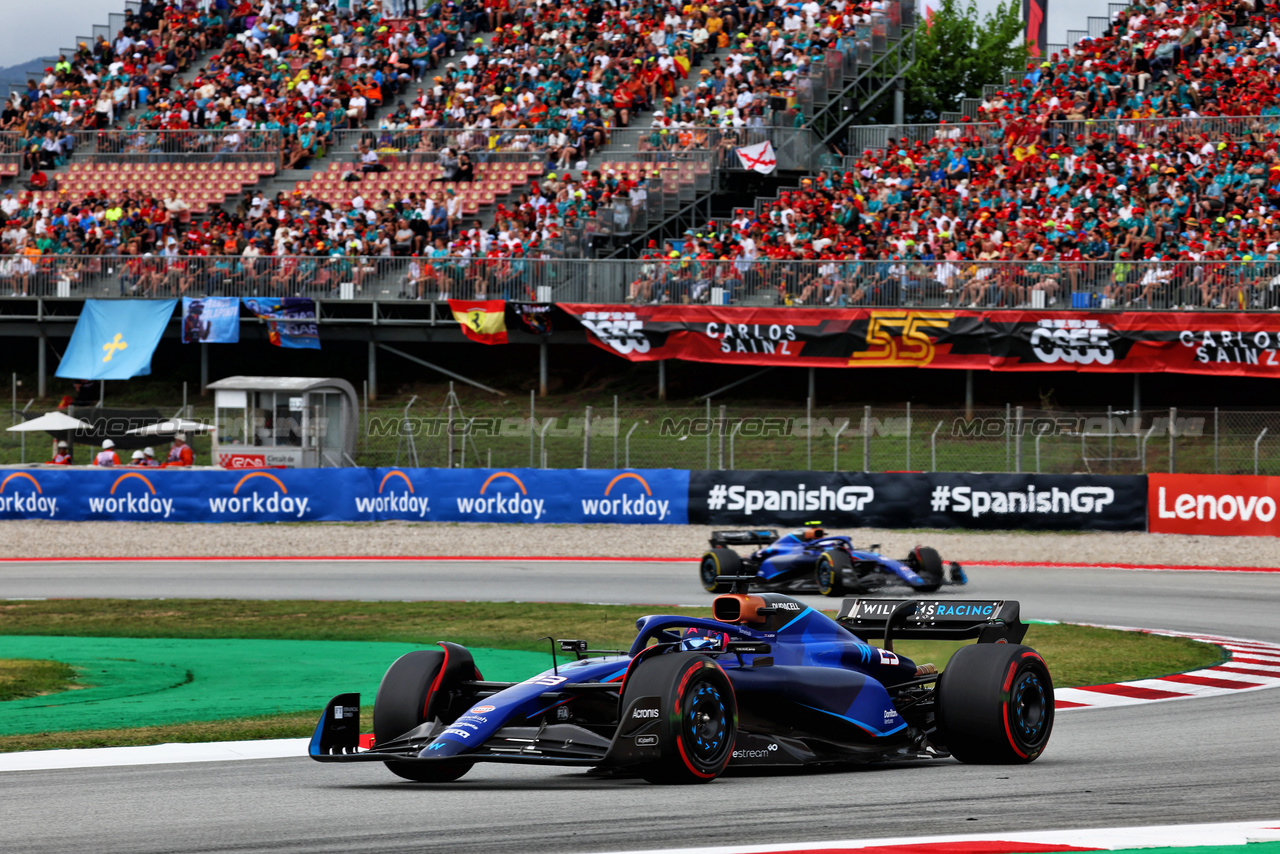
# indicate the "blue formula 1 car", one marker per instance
pixel 768 682
pixel 809 560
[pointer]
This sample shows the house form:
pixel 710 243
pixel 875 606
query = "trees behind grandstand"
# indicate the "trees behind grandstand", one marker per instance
pixel 958 53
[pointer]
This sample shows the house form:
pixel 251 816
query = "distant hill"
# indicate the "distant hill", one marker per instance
pixel 17 75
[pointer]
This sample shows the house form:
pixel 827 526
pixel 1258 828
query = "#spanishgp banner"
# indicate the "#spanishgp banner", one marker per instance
pixel 114 339
pixel 292 321
pixel 935 500
pixel 210 320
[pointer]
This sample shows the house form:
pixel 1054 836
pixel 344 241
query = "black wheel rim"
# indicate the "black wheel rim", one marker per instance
pixel 824 574
pixel 1028 708
pixel 709 573
pixel 705 725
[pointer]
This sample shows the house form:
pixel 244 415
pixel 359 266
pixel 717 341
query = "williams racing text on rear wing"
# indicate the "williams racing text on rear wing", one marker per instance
pixel 743 538
pixel 943 619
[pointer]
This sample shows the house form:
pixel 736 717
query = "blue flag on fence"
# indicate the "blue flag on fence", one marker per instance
pixel 291 321
pixel 210 320
pixel 114 339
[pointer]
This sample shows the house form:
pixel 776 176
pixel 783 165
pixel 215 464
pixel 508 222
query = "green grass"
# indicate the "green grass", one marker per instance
pixel 288 725
pixel 1077 655
pixel 21 678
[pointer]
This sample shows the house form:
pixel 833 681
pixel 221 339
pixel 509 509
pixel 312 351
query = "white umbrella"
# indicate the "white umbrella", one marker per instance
pixel 176 425
pixel 53 422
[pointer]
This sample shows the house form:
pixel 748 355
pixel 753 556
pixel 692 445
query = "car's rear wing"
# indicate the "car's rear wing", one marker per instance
pixel 743 538
pixel 988 620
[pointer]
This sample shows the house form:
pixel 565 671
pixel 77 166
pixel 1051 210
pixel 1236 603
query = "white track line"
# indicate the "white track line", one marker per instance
pixel 1104 838
pixel 153 754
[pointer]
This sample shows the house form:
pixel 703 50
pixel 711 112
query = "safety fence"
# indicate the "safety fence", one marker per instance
pixel 630 496
pixel 153 146
pixel 1160 131
pixel 1186 504
pixel 674 143
pixel 669 275
pixel 610 434
pixel 871 439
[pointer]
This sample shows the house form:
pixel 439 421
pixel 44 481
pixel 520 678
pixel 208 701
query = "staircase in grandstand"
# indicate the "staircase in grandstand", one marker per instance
pixel 844 85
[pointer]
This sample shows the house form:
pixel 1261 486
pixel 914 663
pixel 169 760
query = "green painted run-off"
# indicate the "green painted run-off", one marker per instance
pixel 153 682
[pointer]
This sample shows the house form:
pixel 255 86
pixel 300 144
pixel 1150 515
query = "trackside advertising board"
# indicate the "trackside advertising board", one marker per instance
pixel 647 496
pixel 1224 505
pixel 936 500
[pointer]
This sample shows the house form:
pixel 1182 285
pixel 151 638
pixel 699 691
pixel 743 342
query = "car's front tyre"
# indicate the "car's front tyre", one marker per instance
pixel 927 564
pixel 829 572
pixel 716 562
pixel 412 693
pixel 695 716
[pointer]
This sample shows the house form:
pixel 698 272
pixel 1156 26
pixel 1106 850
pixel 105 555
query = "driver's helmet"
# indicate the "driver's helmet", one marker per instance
pixel 700 639
pixel 814 533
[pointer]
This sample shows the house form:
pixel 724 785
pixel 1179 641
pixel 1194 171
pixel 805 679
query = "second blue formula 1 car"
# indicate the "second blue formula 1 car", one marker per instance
pixel 809 560
pixel 766 682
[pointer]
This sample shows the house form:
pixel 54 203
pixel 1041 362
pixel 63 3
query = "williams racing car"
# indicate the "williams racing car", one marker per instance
pixel 809 560
pixel 767 682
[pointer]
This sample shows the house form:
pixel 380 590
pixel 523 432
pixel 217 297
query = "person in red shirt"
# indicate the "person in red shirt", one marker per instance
pixel 180 452
pixel 61 455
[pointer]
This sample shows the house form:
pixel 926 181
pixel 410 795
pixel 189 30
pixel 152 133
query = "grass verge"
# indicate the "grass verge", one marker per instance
pixel 1077 655
pixel 23 677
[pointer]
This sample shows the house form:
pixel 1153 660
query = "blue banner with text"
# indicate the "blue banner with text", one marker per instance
pixel 648 496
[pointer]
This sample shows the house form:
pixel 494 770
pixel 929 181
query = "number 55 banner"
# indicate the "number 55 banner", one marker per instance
pixel 1190 343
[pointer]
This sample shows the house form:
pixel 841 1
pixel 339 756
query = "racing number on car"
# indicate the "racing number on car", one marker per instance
pixel 901 337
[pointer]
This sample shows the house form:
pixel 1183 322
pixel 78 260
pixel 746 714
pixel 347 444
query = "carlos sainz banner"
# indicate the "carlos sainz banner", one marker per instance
pixel 1236 344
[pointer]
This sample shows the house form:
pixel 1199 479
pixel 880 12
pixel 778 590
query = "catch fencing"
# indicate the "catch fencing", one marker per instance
pixel 612 434
pixel 709 436
pixel 1252 285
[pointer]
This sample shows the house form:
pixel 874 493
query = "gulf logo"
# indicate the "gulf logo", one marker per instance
pixel 136 498
pixel 398 502
pixel 21 494
pixel 254 503
pixel 627 504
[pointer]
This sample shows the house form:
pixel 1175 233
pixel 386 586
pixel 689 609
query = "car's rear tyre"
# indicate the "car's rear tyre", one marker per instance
pixel 830 570
pixel 927 564
pixel 995 704
pixel 410 695
pixel 718 561
pixel 697 721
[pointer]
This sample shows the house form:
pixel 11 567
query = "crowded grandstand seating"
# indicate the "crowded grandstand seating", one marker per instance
pixel 1113 167
pixel 1139 167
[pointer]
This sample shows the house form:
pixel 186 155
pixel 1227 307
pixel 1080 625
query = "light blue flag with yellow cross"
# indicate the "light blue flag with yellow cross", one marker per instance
pixel 114 339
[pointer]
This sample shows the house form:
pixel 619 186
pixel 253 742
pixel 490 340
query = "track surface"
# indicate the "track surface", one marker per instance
pixel 1203 761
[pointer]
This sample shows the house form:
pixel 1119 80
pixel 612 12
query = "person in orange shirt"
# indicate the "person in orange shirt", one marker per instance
pixel 180 452
pixel 61 455
pixel 107 456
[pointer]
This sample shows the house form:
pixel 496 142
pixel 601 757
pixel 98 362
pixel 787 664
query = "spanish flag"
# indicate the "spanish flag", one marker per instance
pixel 482 320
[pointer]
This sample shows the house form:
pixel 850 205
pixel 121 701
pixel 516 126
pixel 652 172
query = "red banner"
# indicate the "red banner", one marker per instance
pixel 1226 344
pixel 1223 505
